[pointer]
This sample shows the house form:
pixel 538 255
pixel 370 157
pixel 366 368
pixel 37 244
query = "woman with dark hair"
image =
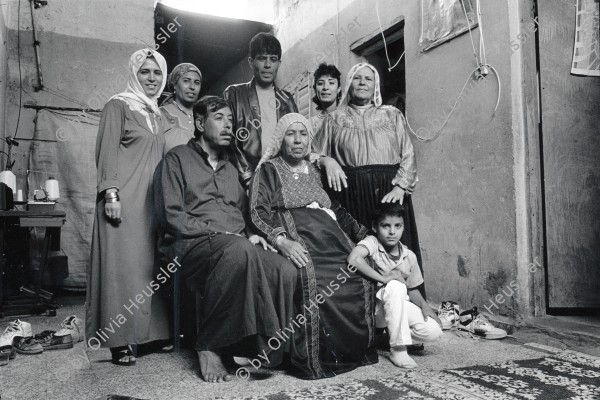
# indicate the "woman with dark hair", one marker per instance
pixel 368 155
pixel 184 84
pixel 129 146
pixel 328 91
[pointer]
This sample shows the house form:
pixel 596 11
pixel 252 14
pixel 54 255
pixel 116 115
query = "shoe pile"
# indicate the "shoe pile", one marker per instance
pixel 71 332
pixel 18 338
pixel 470 321
pixel 475 323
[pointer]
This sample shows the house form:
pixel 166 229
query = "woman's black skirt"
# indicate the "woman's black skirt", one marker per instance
pixel 366 187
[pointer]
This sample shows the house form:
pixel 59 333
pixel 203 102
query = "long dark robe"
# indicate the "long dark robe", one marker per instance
pixel 334 328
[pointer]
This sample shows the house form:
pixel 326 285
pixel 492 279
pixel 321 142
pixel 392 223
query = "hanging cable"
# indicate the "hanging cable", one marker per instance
pixel 19 61
pixel 480 72
pixel 470 29
pixel 390 67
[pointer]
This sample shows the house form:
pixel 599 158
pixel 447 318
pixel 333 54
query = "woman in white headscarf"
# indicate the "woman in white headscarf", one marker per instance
pixel 367 153
pixel 122 310
pixel 333 331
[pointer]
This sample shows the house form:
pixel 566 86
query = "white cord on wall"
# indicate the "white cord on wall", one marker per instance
pixel 390 67
pixel 480 72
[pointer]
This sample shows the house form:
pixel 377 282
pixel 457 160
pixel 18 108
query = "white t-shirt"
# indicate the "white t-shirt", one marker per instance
pixel 268 114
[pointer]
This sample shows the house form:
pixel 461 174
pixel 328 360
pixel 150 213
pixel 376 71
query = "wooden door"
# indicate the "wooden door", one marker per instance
pixel 571 165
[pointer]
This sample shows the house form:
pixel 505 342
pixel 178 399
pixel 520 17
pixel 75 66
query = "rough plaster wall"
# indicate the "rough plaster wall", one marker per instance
pixel 85 48
pixel 464 201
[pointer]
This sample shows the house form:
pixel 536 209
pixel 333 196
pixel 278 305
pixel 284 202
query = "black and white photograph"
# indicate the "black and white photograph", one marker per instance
pixel 299 199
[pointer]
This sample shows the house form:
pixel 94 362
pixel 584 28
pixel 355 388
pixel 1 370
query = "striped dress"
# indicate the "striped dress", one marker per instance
pixel 373 147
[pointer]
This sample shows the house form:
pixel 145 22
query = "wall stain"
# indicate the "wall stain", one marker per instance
pixel 461 265
pixel 496 281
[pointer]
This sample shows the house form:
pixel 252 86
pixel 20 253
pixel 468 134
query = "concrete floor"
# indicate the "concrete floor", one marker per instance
pixel 67 374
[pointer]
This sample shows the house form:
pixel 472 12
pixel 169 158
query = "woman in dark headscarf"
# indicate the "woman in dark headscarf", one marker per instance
pixel 333 331
pixel 371 144
pixel 184 84
pixel 122 310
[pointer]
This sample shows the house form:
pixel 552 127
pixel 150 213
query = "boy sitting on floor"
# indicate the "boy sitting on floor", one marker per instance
pixel 405 312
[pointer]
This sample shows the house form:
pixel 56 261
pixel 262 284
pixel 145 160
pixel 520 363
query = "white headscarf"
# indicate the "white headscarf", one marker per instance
pixel 284 123
pixel 377 100
pixel 134 94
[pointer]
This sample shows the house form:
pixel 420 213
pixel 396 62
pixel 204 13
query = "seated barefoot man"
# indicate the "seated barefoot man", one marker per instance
pixel 247 290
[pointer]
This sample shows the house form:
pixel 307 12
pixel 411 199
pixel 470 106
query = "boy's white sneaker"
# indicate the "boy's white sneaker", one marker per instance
pixel 475 323
pixel 449 313
pixel 71 326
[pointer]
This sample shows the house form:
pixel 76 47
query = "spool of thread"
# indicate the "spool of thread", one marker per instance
pixel 10 180
pixel 52 190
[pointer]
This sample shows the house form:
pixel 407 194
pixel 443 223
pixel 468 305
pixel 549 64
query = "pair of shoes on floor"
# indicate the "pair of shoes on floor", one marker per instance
pixel 17 338
pixel 71 332
pixel 473 322
pixel 449 312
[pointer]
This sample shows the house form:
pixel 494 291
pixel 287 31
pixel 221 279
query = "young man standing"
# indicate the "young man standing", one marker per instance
pixel 258 105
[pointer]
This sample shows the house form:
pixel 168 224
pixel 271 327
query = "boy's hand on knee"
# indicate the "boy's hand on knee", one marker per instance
pixel 429 312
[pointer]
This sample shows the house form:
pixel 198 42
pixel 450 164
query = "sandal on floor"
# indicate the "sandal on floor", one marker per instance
pixel 119 353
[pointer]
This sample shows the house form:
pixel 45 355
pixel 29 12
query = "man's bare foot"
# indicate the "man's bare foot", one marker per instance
pixel 401 359
pixel 212 368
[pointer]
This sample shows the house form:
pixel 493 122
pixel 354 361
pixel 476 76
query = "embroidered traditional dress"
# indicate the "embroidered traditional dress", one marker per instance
pixel 334 329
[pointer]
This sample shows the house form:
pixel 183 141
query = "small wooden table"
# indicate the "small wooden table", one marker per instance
pixel 52 221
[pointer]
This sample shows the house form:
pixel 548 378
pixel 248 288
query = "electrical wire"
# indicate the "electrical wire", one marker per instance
pixel 480 61
pixel 19 61
pixel 65 97
pixel 390 67
pixel 470 29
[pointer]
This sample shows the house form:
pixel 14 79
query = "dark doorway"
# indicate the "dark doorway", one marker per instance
pixel 393 83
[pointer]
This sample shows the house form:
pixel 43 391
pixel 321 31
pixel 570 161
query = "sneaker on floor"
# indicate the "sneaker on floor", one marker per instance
pixel 475 323
pixel 50 341
pixel 18 334
pixel 72 326
pixel 449 313
pixel 28 345
pixel 15 329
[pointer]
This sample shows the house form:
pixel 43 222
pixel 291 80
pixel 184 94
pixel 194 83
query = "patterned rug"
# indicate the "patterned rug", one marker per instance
pixel 564 375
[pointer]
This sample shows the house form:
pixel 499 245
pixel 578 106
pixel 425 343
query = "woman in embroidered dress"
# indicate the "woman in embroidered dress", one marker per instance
pixel 333 331
pixel 184 84
pixel 121 308
pixel 328 91
pixel 368 155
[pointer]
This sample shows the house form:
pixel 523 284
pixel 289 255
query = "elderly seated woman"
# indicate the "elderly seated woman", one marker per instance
pixel 333 331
